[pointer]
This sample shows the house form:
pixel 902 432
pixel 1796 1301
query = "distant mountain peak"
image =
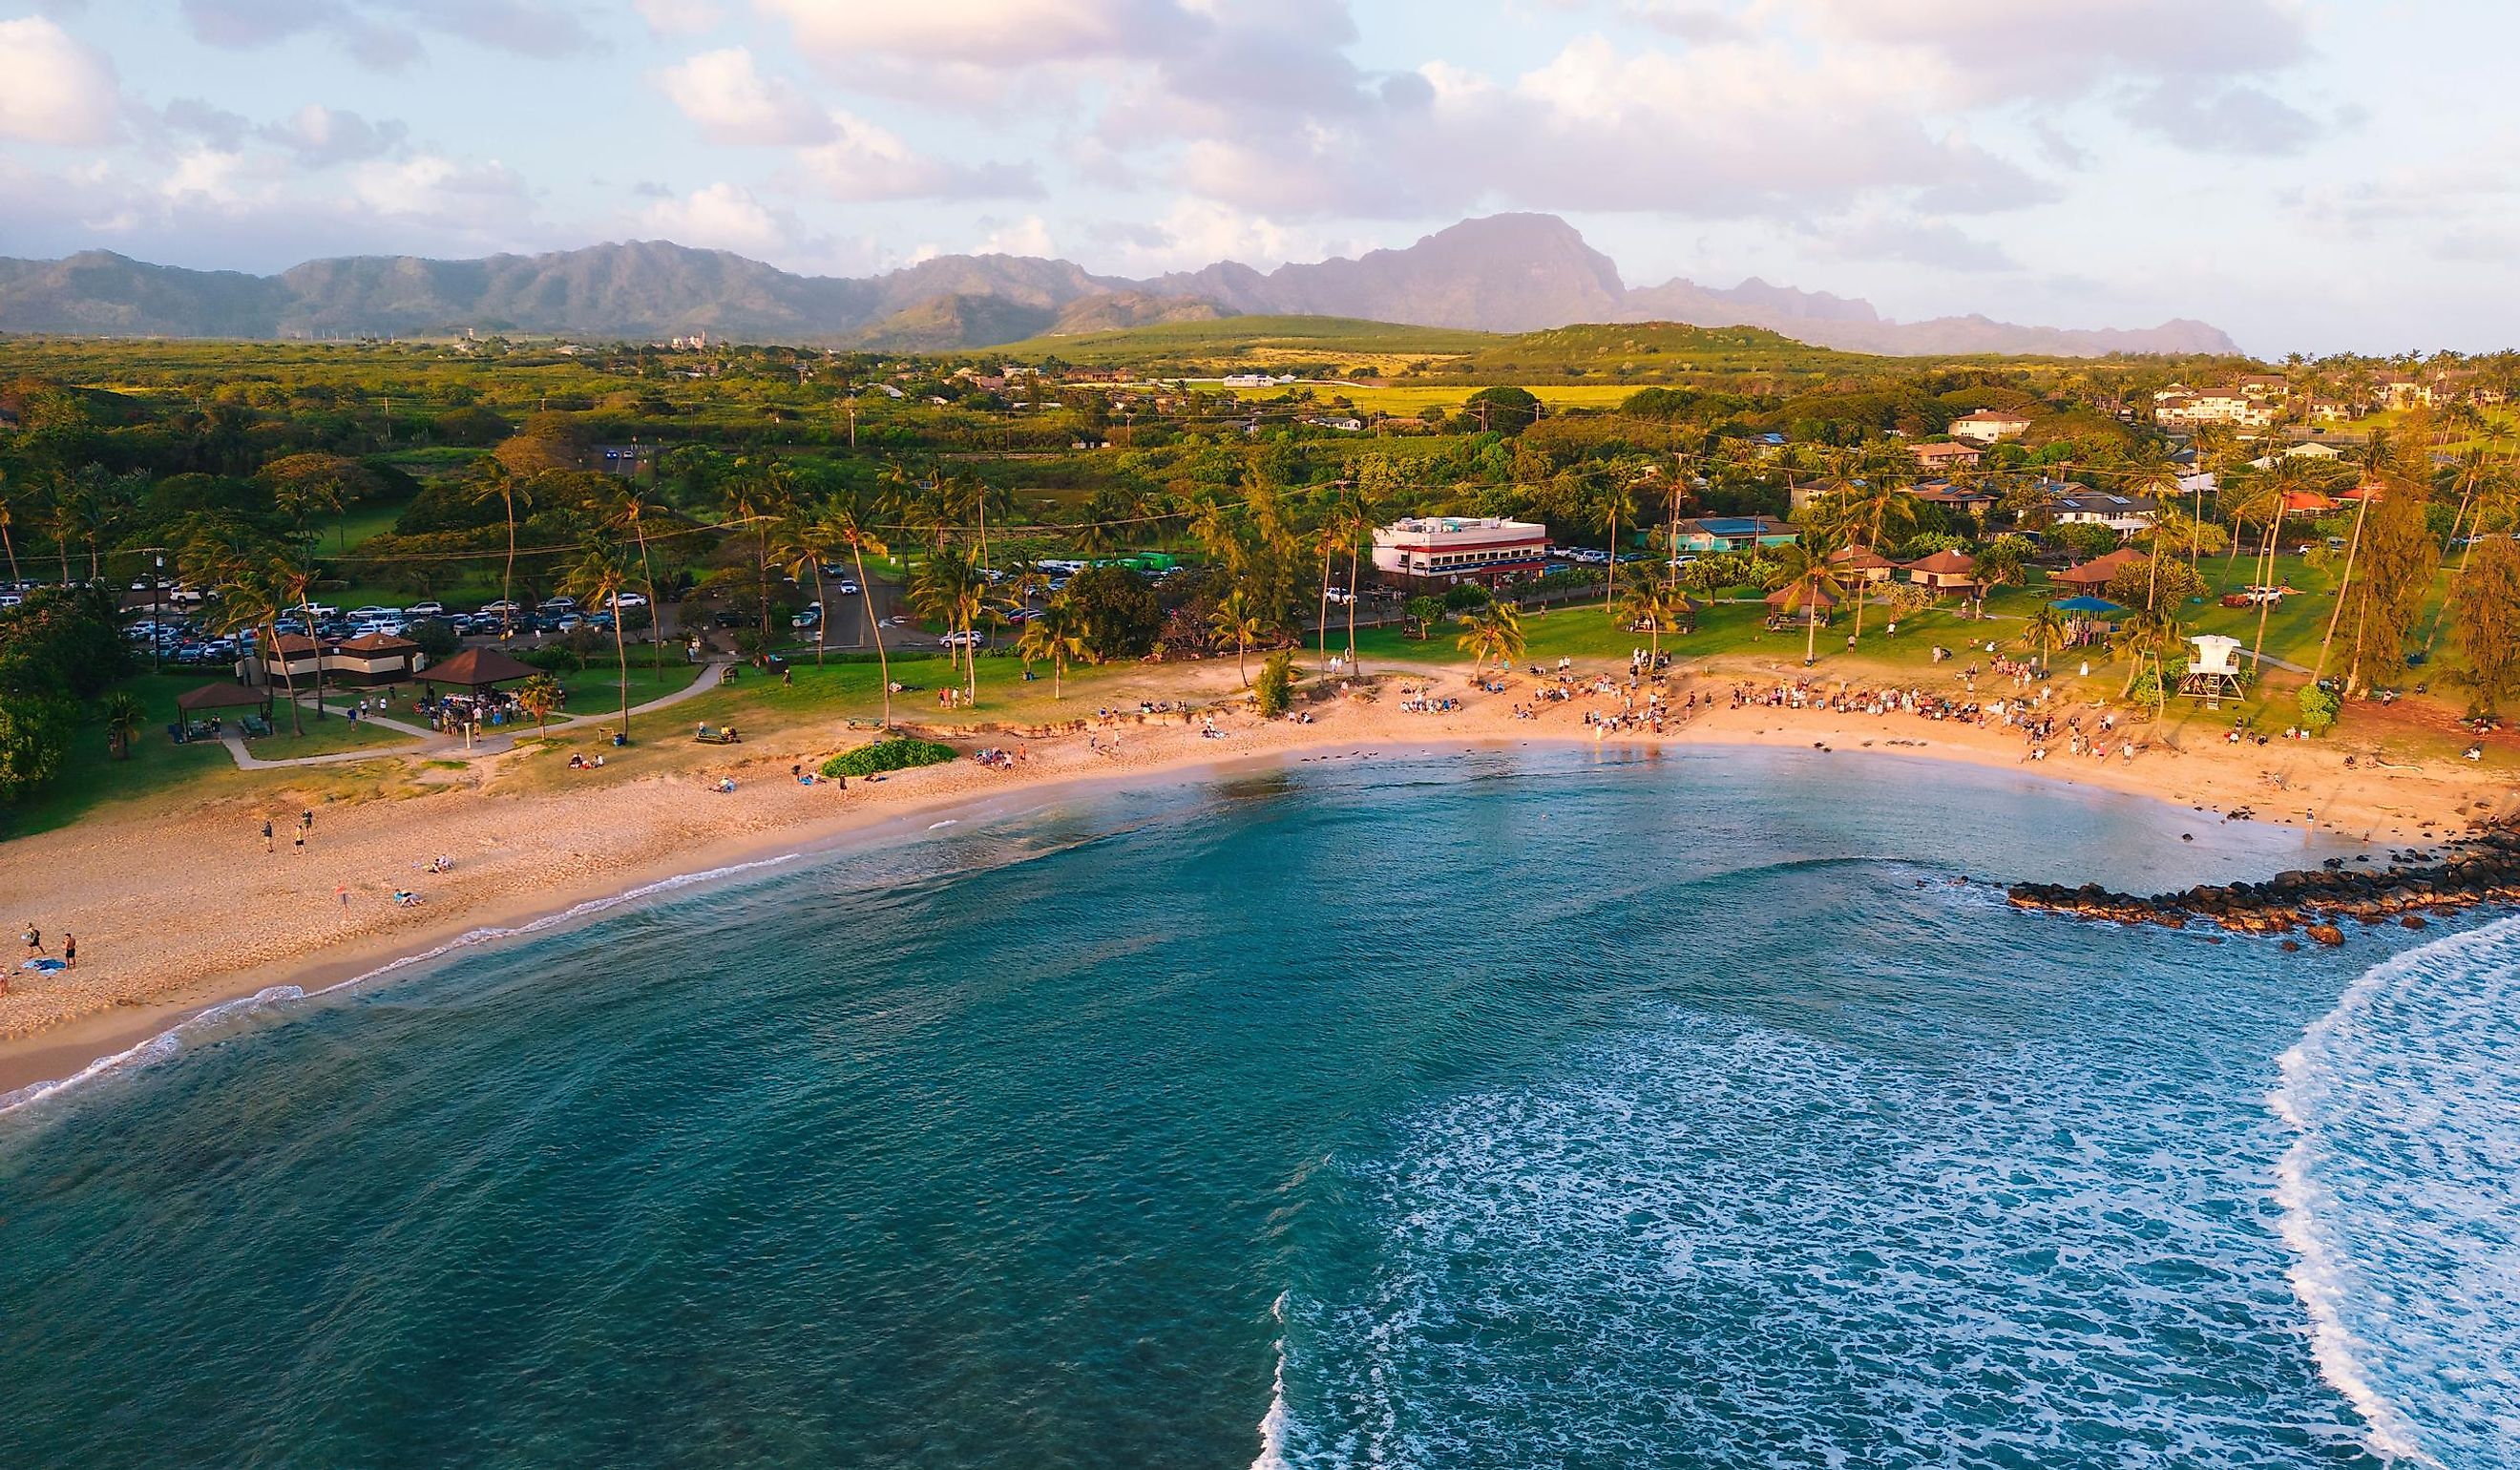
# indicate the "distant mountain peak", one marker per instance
pixel 1513 272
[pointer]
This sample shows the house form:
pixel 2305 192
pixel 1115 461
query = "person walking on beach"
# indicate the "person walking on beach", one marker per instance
pixel 343 890
pixel 299 842
pixel 266 836
pixel 34 938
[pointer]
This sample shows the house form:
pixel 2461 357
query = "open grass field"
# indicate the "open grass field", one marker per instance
pixel 1404 398
pixel 1248 342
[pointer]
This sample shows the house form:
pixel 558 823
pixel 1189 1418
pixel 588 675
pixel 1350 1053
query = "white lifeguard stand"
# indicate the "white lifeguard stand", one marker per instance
pixel 2214 674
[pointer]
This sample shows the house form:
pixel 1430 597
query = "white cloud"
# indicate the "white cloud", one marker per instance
pixel 2234 119
pixel 679 18
pixel 53 88
pixel 722 216
pixel 385 33
pixel 438 189
pixel 866 163
pixel 320 136
pixel 732 102
pixel 1028 236
pixel 2040 47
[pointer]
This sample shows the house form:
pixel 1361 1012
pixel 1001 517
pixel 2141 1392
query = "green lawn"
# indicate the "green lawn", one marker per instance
pixel 91 778
pixel 326 737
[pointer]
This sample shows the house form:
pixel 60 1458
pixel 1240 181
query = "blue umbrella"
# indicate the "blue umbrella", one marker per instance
pixel 2093 605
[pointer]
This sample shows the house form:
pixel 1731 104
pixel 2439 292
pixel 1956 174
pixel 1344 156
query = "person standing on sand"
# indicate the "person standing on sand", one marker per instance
pixel 299 841
pixel 69 949
pixel 266 836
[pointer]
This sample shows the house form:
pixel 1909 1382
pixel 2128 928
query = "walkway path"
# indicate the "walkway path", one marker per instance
pixel 451 747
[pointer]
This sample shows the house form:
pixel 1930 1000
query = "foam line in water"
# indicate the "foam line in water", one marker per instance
pixel 167 1045
pixel 1273 1424
pixel 2386 1077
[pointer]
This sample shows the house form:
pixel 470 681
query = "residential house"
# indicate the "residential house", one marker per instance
pixel 1862 564
pixel 2213 406
pixel 1990 425
pixel 1975 500
pixel 1708 534
pixel 2126 515
pixel 1945 571
pixel 1943 457
pixel 2399 391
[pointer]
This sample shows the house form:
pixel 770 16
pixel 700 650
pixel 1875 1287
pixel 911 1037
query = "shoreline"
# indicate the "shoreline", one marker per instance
pixel 72 1039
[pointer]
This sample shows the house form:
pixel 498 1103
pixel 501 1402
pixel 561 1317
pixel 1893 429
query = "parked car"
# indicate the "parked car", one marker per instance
pixel 430 608
pixel 503 606
pixel 558 605
pixel 629 599
pixel 808 620
pixel 964 641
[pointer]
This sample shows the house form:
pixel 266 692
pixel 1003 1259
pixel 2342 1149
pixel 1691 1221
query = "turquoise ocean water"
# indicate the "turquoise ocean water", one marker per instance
pixel 1500 1108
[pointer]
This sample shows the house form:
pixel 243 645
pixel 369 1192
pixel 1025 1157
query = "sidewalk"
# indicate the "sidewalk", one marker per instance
pixel 443 746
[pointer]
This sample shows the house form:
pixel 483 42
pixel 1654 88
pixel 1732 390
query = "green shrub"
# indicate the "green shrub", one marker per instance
pixel 557 658
pixel 2319 708
pixel 1277 684
pixel 900 753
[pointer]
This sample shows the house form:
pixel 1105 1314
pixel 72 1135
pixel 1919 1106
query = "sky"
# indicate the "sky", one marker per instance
pixel 2310 175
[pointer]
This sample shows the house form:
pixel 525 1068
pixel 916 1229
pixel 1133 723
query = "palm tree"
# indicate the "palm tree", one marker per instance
pixel 492 480
pixel 757 495
pixel 1657 604
pixel 1617 500
pixel 1054 634
pixel 842 525
pixel 1871 510
pixel 2046 633
pixel 122 717
pixel 2486 485
pixel 538 697
pixel 799 548
pixel 2148 634
pixel 1235 624
pixel 1812 586
pixel 627 506
pixel 1354 514
pixel 595 581
pixel 1493 632
pixel 8 501
pixel 948 588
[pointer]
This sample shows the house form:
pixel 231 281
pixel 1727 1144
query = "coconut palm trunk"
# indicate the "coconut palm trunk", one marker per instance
pixel 2344 585
pixel 507 578
pixel 287 677
pixel 1352 595
pixel 875 630
pixel 621 662
pixel 2265 603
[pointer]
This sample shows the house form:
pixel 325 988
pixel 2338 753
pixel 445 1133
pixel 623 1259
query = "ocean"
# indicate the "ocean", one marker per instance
pixel 1498 1108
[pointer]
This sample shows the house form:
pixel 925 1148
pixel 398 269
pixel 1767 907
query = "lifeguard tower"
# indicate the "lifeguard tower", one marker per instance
pixel 2214 674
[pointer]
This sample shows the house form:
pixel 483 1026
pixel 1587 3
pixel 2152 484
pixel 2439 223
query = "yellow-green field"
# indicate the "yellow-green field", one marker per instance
pixel 1408 398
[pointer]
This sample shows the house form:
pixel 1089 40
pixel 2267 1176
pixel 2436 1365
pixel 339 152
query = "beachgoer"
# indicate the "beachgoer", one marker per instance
pixel 69 949
pixel 34 938
pixel 343 890
pixel 299 842
pixel 266 837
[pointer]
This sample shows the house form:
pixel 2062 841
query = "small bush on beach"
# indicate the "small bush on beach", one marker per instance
pixel 900 753
pixel 2319 708
pixel 1277 684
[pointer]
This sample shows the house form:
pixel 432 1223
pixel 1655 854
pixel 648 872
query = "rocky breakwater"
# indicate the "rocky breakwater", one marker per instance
pixel 2484 868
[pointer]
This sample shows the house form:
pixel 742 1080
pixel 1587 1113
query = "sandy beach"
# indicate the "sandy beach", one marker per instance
pixel 177 910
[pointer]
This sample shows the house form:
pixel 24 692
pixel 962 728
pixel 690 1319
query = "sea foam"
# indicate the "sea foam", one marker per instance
pixel 2398 1197
pixel 204 1025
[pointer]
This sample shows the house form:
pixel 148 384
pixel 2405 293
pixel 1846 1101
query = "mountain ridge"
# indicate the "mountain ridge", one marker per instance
pixel 1506 273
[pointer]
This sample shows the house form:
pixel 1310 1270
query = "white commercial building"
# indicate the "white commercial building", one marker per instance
pixel 1454 547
